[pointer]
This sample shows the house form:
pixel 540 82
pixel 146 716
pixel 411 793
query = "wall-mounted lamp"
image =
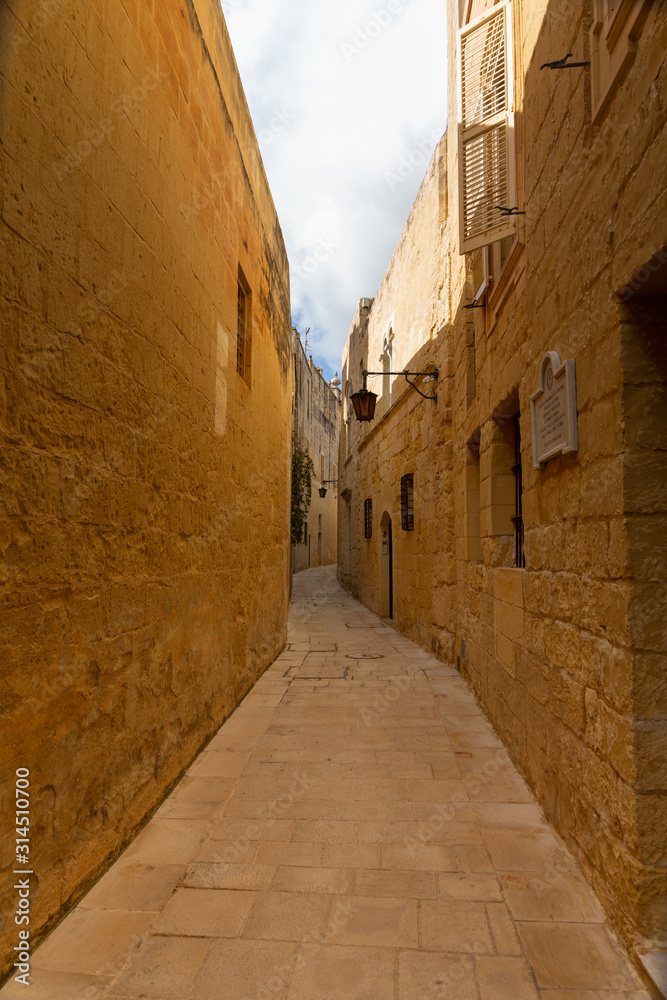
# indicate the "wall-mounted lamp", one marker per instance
pixel 364 401
pixel 323 487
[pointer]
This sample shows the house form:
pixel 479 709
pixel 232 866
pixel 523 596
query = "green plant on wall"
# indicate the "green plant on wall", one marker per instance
pixel 302 475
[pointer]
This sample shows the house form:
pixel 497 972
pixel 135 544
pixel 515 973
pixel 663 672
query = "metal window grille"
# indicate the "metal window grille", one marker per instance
pixel 368 518
pixel 407 503
pixel 519 554
pixel 241 332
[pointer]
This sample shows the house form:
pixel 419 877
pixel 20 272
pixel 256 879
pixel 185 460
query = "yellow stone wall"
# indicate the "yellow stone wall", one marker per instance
pixel 568 655
pixel 409 434
pixel 144 526
pixel 316 429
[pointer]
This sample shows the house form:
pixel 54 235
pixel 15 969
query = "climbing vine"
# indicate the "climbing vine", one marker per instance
pixel 302 475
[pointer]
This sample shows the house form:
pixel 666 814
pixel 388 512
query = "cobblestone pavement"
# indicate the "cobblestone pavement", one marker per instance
pixel 354 832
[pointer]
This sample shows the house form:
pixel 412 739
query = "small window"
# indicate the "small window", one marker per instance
pixel 305 533
pixel 243 329
pixel 407 503
pixel 368 518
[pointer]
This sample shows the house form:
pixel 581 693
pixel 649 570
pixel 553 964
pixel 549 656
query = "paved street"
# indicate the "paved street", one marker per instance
pixel 354 832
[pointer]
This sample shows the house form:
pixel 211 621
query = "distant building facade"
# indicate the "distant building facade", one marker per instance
pixel 316 431
pixel 145 424
pixel 517 526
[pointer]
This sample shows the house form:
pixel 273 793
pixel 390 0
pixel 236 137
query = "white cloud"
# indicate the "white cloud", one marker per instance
pixel 340 92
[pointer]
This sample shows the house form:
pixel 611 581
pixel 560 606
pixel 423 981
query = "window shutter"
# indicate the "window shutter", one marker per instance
pixel 487 169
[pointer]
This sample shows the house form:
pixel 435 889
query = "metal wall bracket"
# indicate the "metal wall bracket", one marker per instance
pixel 563 63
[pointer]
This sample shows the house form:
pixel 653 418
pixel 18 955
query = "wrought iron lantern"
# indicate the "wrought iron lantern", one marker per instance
pixel 325 483
pixel 364 401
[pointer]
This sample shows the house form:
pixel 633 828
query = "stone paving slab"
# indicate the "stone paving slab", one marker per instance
pixel 355 831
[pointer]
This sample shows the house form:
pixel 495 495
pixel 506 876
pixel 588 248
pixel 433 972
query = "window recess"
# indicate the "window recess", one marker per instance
pixel 617 26
pixel 244 329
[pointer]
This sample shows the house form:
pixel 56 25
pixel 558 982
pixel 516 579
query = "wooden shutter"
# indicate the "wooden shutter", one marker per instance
pixel 487 169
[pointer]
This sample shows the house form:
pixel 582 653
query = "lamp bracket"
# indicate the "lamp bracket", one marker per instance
pixel 563 63
pixel 433 373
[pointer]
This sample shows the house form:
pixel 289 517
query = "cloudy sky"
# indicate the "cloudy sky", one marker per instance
pixel 348 98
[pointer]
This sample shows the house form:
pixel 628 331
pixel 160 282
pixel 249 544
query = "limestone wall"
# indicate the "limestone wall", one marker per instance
pixel 559 652
pixel 317 430
pixel 567 654
pixel 144 546
pixel 410 434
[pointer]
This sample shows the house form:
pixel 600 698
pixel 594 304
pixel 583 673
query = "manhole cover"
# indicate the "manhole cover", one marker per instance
pixel 364 656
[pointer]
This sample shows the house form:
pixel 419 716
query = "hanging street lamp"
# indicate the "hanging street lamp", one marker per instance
pixel 364 401
pixel 323 487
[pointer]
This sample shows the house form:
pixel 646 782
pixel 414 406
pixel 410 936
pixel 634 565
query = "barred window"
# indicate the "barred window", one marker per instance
pixel 407 502
pixel 519 554
pixel 368 518
pixel 243 331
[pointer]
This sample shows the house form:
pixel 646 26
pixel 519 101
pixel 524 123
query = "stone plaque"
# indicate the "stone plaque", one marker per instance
pixel 553 410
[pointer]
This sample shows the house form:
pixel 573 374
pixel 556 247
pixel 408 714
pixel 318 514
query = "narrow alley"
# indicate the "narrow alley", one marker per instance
pixel 354 831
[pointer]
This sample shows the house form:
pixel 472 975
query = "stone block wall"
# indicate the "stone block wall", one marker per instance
pixel 316 429
pixel 410 434
pixel 566 653
pixel 144 517
pixel 558 652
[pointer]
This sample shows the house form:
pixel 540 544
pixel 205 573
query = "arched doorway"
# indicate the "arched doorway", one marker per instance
pixel 386 568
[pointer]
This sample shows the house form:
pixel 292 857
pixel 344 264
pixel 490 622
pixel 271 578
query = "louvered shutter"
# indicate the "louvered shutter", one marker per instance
pixel 487 170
